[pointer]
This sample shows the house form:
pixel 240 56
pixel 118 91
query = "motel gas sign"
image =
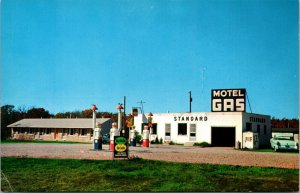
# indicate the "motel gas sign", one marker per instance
pixel 228 100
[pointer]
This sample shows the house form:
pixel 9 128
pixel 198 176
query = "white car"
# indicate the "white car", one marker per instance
pixel 284 141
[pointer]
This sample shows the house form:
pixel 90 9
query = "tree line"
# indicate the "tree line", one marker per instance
pixel 284 123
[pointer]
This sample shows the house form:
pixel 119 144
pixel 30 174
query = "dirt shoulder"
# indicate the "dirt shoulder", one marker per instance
pixel 210 155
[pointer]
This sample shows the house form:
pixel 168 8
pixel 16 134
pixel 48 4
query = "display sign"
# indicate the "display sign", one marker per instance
pixel 228 100
pixel 120 147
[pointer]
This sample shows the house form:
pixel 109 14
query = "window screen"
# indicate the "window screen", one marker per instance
pixel 192 130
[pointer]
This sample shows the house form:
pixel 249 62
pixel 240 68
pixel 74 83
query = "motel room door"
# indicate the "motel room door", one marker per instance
pixel 55 133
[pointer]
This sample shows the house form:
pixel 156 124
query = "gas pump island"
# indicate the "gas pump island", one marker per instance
pixel 118 142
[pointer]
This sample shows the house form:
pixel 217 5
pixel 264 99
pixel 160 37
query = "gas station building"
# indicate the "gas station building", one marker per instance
pixel 215 128
pixel 228 123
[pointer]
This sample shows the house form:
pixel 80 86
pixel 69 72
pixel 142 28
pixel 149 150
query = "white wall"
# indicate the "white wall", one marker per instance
pixel 204 125
pixel 261 120
pixel 204 122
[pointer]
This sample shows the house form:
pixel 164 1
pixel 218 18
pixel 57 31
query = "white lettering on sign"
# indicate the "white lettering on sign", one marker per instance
pixel 228 100
pixel 217 105
pixel 228 93
pixel 240 105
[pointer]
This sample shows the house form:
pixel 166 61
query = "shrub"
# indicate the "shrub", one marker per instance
pixel 156 141
pixel 138 137
pixel 202 144
pixel 160 141
pixel 171 143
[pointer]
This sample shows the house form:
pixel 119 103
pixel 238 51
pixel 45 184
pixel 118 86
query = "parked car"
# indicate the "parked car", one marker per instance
pixel 105 138
pixel 284 141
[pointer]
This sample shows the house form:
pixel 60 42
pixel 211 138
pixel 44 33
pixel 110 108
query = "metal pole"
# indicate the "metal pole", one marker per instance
pixel 124 118
pixel 94 119
pixel 191 101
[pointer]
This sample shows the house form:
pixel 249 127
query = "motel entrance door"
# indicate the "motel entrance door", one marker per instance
pixel 55 133
pixel 223 136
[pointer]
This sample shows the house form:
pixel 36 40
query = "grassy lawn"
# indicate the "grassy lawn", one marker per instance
pixel 42 141
pixel 55 175
pixel 272 151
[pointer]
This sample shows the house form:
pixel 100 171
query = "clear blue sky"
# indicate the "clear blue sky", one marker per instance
pixel 64 55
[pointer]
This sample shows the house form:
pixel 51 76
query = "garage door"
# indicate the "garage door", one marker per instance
pixel 223 136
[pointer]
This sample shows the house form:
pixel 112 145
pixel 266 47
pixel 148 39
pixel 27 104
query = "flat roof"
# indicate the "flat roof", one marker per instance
pixel 58 123
pixel 203 113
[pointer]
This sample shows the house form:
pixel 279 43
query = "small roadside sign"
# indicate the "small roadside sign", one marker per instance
pixel 120 147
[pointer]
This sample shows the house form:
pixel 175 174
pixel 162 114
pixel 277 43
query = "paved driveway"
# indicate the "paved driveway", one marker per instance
pixel 212 155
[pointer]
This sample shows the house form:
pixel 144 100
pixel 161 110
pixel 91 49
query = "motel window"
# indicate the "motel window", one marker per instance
pixel 192 130
pixel 31 130
pixel 248 126
pixel 168 129
pixel 83 132
pixel 47 131
pixel 71 131
pixel 258 129
pixel 265 129
pixel 182 129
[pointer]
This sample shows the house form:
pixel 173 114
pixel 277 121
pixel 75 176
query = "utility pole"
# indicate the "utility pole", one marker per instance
pixel 126 129
pixel 191 99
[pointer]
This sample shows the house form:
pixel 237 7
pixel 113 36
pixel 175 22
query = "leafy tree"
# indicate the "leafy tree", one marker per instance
pixel 88 113
pixel 8 116
pixel 284 123
pixel 38 113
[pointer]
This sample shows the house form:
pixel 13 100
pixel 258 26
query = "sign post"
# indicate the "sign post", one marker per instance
pixel 120 147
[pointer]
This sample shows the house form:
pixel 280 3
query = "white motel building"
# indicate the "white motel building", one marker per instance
pixel 77 130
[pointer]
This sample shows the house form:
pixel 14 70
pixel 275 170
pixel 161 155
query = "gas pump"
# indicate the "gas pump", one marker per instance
pixel 113 132
pixel 98 137
pixel 132 137
pixel 146 136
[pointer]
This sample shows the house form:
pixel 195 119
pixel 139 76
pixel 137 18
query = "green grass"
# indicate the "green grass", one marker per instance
pixel 271 151
pixel 42 141
pixel 55 175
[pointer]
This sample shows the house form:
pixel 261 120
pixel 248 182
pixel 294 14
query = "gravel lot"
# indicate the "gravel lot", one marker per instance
pixel 212 155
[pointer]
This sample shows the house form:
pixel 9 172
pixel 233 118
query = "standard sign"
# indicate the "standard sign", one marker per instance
pixel 228 100
pixel 121 147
